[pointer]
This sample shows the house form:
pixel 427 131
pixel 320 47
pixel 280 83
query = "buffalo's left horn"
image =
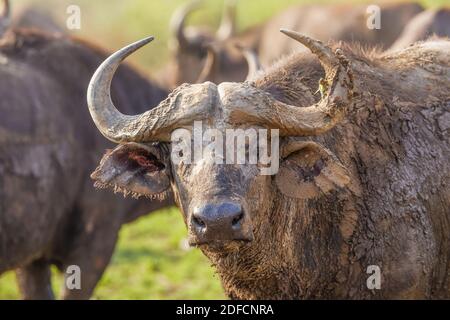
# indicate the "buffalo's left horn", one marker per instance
pixel 228 23
pixel 152 125
pixel 321 116
pixel 330 110
pixel 326 56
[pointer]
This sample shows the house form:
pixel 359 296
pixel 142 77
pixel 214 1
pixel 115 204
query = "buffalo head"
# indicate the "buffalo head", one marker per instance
pixel 192 47
pixel 224 201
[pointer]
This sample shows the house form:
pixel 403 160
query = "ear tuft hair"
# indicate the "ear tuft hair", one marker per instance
pixel 134 170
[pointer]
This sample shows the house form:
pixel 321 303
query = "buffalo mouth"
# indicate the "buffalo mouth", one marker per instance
pixel 234 244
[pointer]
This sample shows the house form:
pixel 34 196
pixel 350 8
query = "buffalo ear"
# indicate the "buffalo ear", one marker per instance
pixel 309 170
pixel 136 169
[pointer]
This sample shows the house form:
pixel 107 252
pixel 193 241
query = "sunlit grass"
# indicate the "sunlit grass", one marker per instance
pixel 151 263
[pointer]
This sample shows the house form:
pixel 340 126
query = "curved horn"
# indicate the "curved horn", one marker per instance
pixel 326 56
pixel 254 65
pixel 316 119
pixel 228 24
pixel 252 59
pixel 211 62
pixel 177 22
pixel 329 111
pixel 152 125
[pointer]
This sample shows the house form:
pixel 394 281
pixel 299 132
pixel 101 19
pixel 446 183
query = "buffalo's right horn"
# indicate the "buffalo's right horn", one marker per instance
pixel 153 125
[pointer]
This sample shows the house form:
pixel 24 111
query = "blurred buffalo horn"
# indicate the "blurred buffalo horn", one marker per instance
pixel 211 62
pixel 254 65
pixel 228 24
pixel 178 20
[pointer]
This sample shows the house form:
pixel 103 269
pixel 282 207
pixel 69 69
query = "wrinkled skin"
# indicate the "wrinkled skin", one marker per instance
pixel 424 25
pixel 366 192
pixel 49 210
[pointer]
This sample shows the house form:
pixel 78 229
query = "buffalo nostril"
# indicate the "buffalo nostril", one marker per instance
pixel 216 222
pixel 236 220
pixel 198 221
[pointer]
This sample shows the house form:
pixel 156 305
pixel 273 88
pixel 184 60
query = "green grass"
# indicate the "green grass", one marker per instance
pixel 149 263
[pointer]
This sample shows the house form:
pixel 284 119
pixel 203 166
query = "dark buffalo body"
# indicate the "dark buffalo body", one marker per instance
pixel 49 211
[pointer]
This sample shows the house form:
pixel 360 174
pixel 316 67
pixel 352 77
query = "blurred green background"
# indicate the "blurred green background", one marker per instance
pixel 115 23
pixel 151 261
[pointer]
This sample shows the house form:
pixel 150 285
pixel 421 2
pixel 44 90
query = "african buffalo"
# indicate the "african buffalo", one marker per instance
pixel 49 211
pixel 326 22
pixel 190 47
pixel 426 24
pixel 214 64
pixel 363 180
